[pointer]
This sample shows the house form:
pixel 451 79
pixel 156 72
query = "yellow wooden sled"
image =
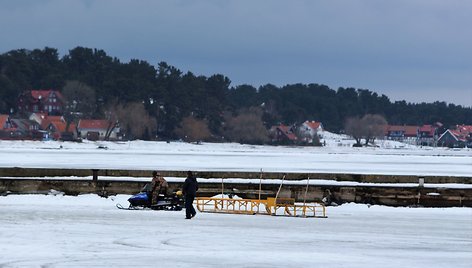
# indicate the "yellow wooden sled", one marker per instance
pixel 271 206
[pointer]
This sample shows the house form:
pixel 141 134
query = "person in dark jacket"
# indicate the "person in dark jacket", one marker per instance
pixel 189 190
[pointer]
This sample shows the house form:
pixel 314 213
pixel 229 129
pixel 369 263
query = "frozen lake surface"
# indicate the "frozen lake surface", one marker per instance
pixel 88 231
pixel 390 158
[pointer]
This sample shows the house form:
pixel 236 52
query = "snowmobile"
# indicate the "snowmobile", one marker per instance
pixel 142 200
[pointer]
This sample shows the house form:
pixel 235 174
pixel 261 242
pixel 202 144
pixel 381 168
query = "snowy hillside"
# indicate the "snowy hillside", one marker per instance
pixel 340 140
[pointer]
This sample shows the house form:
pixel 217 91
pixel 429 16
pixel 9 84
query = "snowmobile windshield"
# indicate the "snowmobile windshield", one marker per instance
pixel 146 188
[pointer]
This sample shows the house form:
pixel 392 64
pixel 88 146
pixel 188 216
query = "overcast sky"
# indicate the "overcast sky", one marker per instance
pixel 413 50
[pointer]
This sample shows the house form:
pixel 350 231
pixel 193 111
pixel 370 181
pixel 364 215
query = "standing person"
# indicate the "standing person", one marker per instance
pixel 158 185
pixel 190 189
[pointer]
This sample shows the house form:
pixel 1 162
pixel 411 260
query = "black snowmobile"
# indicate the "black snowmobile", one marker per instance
pixel 142 200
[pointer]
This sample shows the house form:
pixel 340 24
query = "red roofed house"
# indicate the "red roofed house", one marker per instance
pixel 425 135
pixel 428 135
pixel 283 134
pixel 49 101
pixel 309 129
pixel 460 136
pixel 20 129
pixel 408 134
pixel 4 121
pixel 97 129
pixel 5 126
pixel 57 129
pixel 44 119
pixel 26 129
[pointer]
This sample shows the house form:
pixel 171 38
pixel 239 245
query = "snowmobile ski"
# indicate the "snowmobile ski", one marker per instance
pixel 131 207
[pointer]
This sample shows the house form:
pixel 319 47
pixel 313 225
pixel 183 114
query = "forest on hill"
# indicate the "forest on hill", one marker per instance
pixel 170 100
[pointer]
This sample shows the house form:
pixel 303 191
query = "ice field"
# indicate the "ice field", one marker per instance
pixel 391 158
pixel 89 231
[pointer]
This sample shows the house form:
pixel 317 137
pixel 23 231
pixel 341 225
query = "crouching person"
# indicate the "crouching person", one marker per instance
pixel 158 186
pixel 189 190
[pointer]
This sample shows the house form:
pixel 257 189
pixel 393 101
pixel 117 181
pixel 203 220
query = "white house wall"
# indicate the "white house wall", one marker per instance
pixel 101 132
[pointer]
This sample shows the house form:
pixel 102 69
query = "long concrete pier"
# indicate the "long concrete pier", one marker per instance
pixel 373 191
pixel 367 178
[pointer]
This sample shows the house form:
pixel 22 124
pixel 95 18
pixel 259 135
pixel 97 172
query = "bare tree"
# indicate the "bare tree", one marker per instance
pixel 79 98
pixel 354 128
pixel 192 129
pixel 247 127
pixel 374 125
pixel 369 127
pixel 133 119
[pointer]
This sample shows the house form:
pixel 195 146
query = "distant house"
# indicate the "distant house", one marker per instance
pixel 97 129
pixel 460 136
pixel 309 129
pixel 408 134
pixel 5 122
pixel 283 134
pixel 428 135
pixel 50 102
pixel 54 126
pixel 57 130
pixel 419 135
pixel 24 128
pixel 6 128
pixel 44 119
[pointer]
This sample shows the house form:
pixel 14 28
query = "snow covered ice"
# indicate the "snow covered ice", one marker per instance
pixel 88 231
pixel 336 157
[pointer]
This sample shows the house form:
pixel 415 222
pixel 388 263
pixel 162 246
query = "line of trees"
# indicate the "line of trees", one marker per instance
pixel 167 103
